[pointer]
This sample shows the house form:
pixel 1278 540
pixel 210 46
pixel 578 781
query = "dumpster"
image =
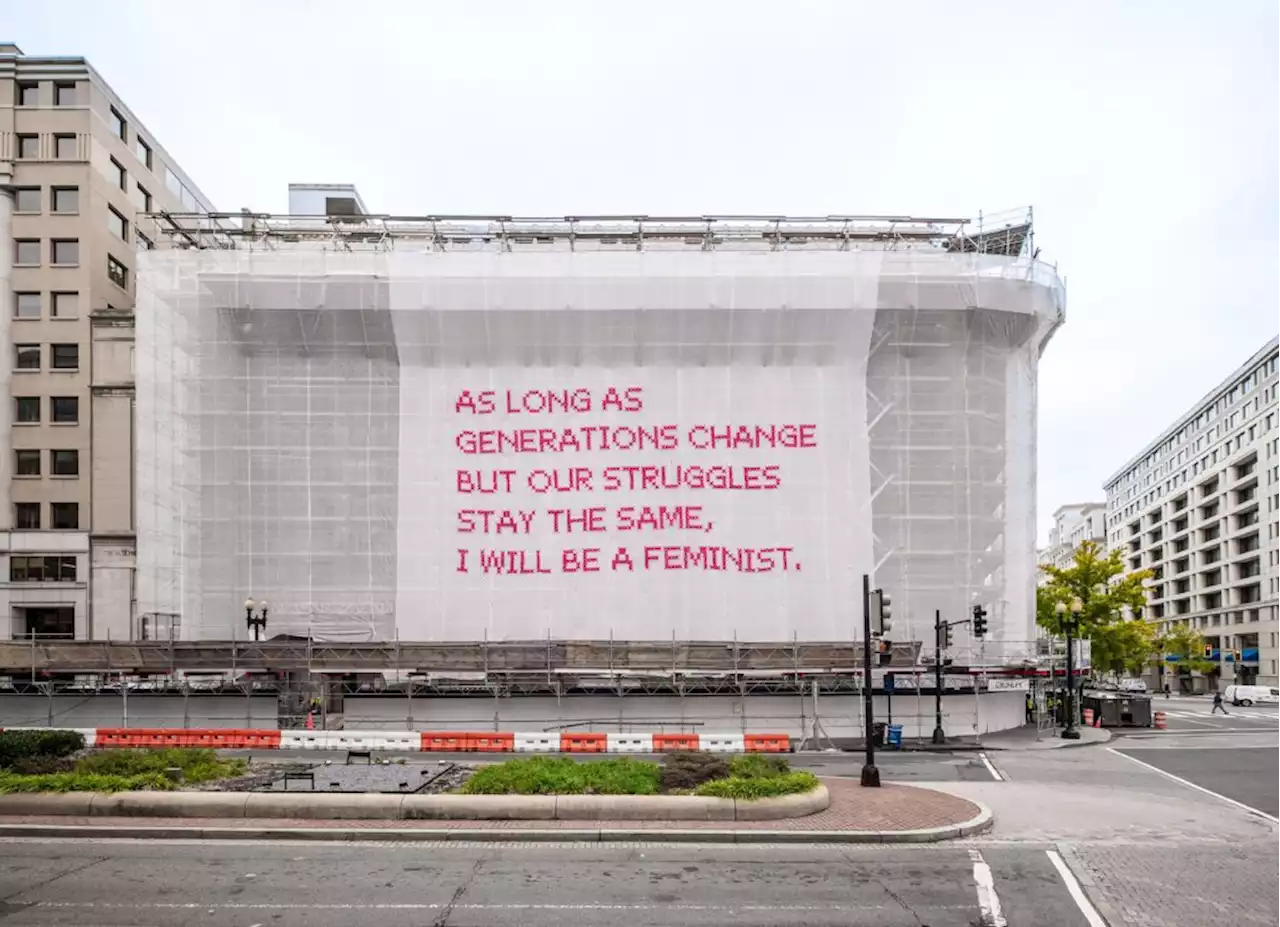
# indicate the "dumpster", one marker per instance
pixel 895 736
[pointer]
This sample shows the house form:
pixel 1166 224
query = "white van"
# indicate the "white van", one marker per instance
pixel 1249 695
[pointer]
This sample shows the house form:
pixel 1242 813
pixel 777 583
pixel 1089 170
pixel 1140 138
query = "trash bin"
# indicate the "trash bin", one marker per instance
pixel 895 736
pixel 879 729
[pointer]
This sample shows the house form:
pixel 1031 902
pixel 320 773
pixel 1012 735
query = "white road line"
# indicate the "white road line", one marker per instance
pixel 988 900
pixel 1199 788
pixel 991 769
pixel 426 906
pixel 1077 893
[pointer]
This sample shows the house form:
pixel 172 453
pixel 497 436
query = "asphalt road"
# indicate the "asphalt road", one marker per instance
pixel 1249 775
pixel 1187 715
pixel 128 884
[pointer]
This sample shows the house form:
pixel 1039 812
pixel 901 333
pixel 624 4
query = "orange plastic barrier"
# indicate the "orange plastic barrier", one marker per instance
pixel 491 743
pixel 1158 718
pixel 574 742
pixel 674 743
pixel 1088 717
pixel 767 743
pixel 112 737
pixel 259 739
pixel 454 741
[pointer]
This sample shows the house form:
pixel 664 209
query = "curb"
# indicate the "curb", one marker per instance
pixel 374 806
pixel 978 824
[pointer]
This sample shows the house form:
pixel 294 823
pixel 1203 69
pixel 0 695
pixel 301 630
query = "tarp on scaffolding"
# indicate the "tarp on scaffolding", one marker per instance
pixel 583 444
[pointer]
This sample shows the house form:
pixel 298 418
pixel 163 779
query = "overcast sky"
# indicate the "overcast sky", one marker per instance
pixel 1145 133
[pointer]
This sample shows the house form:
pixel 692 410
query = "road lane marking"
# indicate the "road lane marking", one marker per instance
pixel 991 769
pixel 1075 891
pixel 988 900
pixel 426 906
pixel 1199 788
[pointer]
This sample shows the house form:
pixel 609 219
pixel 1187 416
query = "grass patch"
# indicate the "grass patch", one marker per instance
pixel 123 771
pixel 545 775
pixel 747 776
pixel 748 787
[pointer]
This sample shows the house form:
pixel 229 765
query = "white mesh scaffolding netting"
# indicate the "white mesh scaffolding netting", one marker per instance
pixel 780 423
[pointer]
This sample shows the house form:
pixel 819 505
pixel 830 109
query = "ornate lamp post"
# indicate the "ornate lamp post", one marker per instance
pixel 1072 627
pixel 256 622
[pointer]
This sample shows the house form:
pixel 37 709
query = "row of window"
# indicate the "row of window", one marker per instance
pixel 65 252
pixel 42 568
pixel 63 410
pixel 66 146
pixel 63 516
pixel 61 356
pixel 28 461
pixel 65 93
pixel 30 305
pixel 62 200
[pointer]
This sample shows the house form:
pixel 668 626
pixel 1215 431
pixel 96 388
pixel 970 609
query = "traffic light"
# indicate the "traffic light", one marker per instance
pixel 946 636
pixel 1208 651
pixel 881 613
pixel 1236 656
pixel 979 621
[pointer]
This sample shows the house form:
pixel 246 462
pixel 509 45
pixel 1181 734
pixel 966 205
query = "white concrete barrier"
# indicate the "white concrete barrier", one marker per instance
pixel 722 743
pixel 537 742
pixel 630 743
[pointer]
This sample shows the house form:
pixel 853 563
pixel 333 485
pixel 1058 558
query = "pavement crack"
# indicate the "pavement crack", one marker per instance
pixel 901 901
pixel 443 918
pixel 32 886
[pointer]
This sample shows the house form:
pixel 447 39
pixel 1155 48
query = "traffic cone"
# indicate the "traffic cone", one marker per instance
pixel 311 720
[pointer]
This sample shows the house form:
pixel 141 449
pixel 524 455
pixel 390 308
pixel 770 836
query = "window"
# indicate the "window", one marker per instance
pixel 26 357
pixel 66 251
pixel 66 147
pixel 26 410
pixel 142 198
pixel 66 199
pixel 118 124
pixel 64 410
pixel 26 516
pixel 26 463
pixel 26 305
pixel 65 356
pixel 143 151
pixel 117 224
pixel 26 251
pixel 28 94
pixel 65 463
pixel 65 516
pixel 118 273
pixel 26 199
pixel 118 176
pixel 66 305
pixel 42 568
pixel 64 94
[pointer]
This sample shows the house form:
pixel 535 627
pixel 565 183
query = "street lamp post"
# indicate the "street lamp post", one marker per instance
pixel 255 622
pixel 1072 626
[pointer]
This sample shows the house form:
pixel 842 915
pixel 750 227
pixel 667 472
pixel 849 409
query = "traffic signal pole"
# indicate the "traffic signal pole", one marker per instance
pixel 870 775
pixel 938 736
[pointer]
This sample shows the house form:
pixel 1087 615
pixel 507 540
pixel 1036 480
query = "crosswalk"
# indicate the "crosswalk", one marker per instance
pixel 1206 716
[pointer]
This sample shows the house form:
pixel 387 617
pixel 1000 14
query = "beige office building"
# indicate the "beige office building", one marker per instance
pixel 78 172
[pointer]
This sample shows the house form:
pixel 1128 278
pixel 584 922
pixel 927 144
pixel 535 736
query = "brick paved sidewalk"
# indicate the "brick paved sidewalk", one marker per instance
pixel 853 808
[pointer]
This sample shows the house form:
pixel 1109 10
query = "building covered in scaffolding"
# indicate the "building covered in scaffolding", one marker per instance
pixel 589 429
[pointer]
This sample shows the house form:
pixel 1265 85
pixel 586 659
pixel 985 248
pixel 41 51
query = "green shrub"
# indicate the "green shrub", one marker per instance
pixel 682 772
pixel 81 782
pixel 21 745
pixel 42 765
pixel 759 787
pixel 197 764
pixel 544 775
pixel 758 766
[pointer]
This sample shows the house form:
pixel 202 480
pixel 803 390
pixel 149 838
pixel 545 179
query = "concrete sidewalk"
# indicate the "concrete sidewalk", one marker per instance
pixel 889 814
